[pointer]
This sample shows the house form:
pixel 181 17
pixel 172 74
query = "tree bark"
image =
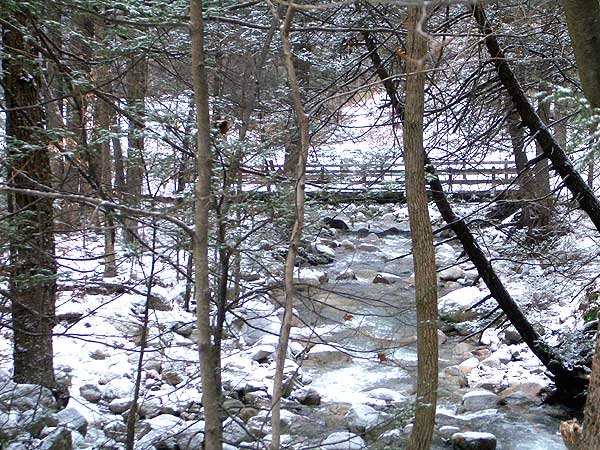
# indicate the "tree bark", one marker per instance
pixel 32 265
pixel 421 234
pixel 303 128
pixel 211 390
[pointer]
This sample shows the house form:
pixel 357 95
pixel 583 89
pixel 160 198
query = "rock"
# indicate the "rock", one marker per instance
pixel 120 405
pixel 72 419
pixel 116 430
pixel 347 274
pixel 478 400
pixel 191 436
pixel 512 336
pixel 25 397
pixel 387 278
pixel 312 277
pixel 182 328
pixel 335 223
pixel 308 396
pixel 348 245
pixel 343 440
pixel 531 388
pixel 366 247
pixel 456 306
pixel 35 420
pixel 323 250
pixel 451 274
pixel 118 388
pixel 363 418
pixel 442 338
pixel 474 441
pixel 159 303
pixel 234 433
pixel 171 377
pixel 492 362
pixel 150 407
pixel 99 354
pixel 90 392
pixel 468 365
pixel 387 395
pixel 262 352
pixel 446 431
pixel 247 413
pixel 59 439
pixel 9 425
pixel 327 354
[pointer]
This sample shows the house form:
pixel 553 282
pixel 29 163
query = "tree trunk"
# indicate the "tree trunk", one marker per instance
pixel 211 390
pixel 421 234
pixel 544 201
pixel 32 265
pixel 303 124
pixel 136 92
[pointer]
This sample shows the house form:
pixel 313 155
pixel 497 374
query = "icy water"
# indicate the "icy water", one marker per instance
pixel 375 323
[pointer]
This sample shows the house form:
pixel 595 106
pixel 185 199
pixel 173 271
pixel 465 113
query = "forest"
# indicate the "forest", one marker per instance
pixel 262 224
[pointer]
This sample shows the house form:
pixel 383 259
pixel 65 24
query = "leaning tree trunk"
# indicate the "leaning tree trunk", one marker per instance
pixel 421 235
pixel 211 389
pixel 296 233
pixel 32 265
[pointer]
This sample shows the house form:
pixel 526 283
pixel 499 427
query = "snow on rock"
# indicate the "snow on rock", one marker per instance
pixel 25 397
pixel 387 395
pixel 118 388
pixel 472 440
pixel 366 247
pixel 455 306
pixel 451 274
pixel 478 400
pixel 347 274
pixel 72 419
pixel 468 365
pixel 387 278
pixel 343 440
pixel 314 277
pixel 327 354
pixel 362 418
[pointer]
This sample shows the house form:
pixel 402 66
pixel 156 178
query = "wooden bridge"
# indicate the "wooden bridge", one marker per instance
pixel 385 183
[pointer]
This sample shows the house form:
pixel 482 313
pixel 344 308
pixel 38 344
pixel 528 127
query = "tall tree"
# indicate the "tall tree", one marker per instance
pixel 421 233
pixel 211 389
pixel 33 267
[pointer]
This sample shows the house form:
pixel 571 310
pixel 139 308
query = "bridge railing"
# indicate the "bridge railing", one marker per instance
pixel 455 176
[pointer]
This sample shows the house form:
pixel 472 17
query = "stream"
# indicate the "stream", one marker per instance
pixel 375 324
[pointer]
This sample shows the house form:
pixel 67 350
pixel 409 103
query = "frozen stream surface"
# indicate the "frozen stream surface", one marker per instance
pixel 375 323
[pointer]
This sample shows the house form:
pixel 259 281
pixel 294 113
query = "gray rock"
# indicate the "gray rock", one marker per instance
pixel 474 441
pixel 90 392
pixel 235 433
pixel 99 354
pixel 116 430
pixel 308 396
pixel 192 436
pixel 59 439
pixel 363 418
pixel 24 397
pixel 343 440
pixel 118 388
pixel 387 395
pixel 326 354
pixel 451 274
pixel 9 425
pixel 262 352
pixel 457 305
pixel 386 278
pixel 366 247
pixel 35 420
pixel 447 431
pixel 72 419
pixel 120 405
pixel 478 400
pixel 347 274
pixel 159 303
pixel 171 377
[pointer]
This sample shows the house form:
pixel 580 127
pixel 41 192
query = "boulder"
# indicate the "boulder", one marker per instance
pixel 478 400
pixel 474 441
pixel 451 274
pixel 314 277
pixel 262 352
pixel 120 405
pixel 192 436
pixel 72 419
pixel 150 407
pixel 58 439
pixel 387 395
pixel 347 274
pixel 159 303
pixel 362 418
pixel 468 365
pixel 90 392
pixel 335 223
pixel 118 388
pixel 444 255
pixel 24 397
pixel 366 247
pixel 456 306
pixel 327 354
pixel 172 377
pixel 343 440
pixel 35 420
pixel 348 244
pixel 308 396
